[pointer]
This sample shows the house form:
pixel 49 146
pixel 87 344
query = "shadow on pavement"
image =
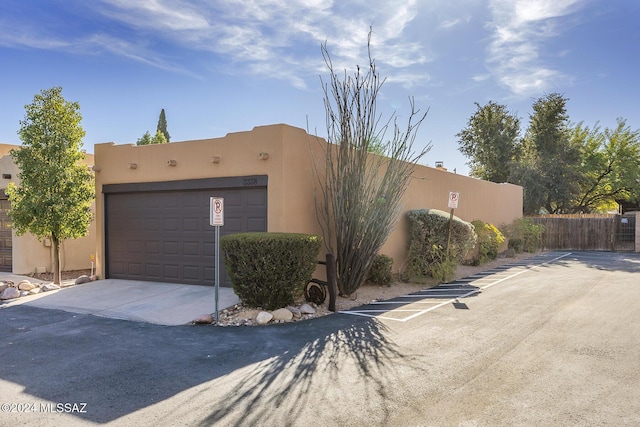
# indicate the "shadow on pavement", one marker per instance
pixel 119 367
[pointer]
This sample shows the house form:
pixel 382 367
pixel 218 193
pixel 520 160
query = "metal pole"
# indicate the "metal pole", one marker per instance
pixel 449 233
pixel 217 268
pixel 331 281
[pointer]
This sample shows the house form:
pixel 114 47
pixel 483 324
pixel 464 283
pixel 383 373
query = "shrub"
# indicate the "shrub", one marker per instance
pixel 489 241
pixel 444 266
pixel 529 234
pixel 428 231
pixel 381 270
pixel 268 269
pixel 515 244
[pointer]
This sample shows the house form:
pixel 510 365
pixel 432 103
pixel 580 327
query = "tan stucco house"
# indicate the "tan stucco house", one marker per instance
pixel 153 202
pixel 26 254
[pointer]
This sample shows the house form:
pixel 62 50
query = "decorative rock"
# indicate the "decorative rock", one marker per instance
pixel 263 318
pixel 10 293
pixel 83 279
pixel 295 311
pixel 205 319
pixel 3 286
pixel 26 285
pixel 282 314
pixel 307 309
pixel 49 287
pixel 34 291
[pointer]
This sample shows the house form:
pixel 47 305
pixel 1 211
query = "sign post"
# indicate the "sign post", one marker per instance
pixel 216 219
pixel 453 204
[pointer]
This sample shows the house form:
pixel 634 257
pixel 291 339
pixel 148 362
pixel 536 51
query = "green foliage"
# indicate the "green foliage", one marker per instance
pixel 490 142
pixel 562 168
pixel 56 189
pixel 162 126
pixel 489 241
pixel 516 245
pixel 359 194
pixel 381 270
pixel 524 235
pixel 444 265
pixel 610 167
pixel 549 164
pixel 428 232
pixel 146 139
pixel 268 269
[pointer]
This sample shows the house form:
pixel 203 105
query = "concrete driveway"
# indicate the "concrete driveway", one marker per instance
pixel 158 303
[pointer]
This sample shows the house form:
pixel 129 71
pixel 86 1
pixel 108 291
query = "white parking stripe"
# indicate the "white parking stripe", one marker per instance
pixel 416 313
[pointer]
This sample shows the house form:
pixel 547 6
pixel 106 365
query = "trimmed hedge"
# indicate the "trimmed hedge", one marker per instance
pixel 268 269
pixel 427 255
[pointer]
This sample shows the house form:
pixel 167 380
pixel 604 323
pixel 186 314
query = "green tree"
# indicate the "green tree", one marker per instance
pixel 146 139
pixel 56 190
pixel 548 165
pixel 490 141
pixel 610 161
pixel 360 192
pixel 162 126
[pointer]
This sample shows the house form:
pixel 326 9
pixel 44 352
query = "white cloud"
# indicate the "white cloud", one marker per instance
pixel 278 38
pixel 274 36
pixel 520 29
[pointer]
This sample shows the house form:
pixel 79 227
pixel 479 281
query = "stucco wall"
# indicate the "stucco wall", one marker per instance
pixel 30 255
pixel 291 180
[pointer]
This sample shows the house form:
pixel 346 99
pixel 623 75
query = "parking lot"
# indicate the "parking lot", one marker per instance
pixel 552 341
pixel 408 307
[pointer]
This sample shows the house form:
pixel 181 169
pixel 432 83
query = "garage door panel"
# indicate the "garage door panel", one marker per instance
pixel 191 249
pixel 153 247
pixel 190 272
pixel 152 224
pixel 171 271
pixel 191 224
pixel 170 248
pixel 136 269
pixel 170 224
pixel 154 270
pixel 167 233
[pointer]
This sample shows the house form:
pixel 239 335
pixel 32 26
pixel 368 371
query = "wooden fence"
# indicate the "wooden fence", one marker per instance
pixel 587 232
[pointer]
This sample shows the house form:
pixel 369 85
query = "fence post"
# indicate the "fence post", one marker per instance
pixel 331 281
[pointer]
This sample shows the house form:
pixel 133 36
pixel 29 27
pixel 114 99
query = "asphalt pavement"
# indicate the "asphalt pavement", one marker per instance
pixel 552 343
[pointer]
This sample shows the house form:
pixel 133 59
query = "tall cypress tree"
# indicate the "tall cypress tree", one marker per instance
pixel 162 126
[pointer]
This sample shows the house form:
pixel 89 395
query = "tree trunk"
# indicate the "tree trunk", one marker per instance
pixel 56 260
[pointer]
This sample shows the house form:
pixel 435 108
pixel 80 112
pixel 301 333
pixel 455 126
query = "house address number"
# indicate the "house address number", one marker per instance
pixel 249 181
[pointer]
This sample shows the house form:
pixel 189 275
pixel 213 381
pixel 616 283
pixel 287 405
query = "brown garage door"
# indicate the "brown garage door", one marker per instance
pixel 6 249
pixel 160 231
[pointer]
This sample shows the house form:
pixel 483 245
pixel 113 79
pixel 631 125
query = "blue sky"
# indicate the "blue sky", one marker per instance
pixel 219 66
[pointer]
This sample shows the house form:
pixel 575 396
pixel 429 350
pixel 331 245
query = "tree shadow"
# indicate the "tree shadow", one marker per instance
pixel 600 260
pixel 119 367
pixel 295 382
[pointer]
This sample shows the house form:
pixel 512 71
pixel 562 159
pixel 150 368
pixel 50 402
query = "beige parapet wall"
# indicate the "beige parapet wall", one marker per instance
pixel 285 154
pixel 30 255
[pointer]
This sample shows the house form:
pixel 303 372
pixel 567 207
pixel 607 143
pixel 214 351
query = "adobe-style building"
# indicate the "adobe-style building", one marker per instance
pixel 153 202
pixel 26 254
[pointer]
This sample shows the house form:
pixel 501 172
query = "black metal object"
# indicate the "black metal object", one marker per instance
pixel 625 237
pixel 316 289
